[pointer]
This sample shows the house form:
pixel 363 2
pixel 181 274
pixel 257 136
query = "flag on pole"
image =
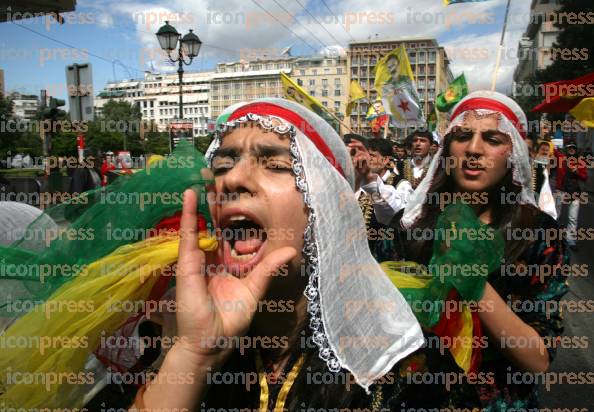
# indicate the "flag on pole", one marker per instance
pixel 292 91
pixel 395 83
pixel 448 2
pixel 356 93
pixel 453 94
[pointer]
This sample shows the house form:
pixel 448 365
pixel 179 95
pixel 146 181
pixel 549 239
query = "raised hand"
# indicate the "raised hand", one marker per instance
pixel 204 301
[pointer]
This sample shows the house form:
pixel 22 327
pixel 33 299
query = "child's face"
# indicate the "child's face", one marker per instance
pixel 259 208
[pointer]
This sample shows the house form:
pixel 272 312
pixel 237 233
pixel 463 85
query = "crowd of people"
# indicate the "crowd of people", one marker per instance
pixel 355 336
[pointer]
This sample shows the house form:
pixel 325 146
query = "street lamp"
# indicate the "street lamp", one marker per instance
pixel 189 45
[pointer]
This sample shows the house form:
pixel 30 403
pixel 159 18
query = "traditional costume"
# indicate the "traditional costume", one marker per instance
pixel 537 291
pixel 359 341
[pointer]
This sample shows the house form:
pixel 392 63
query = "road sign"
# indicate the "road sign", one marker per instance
pixel 79 80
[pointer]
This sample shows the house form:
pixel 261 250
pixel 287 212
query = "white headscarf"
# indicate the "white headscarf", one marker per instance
pixel 359 320
pixel 512 122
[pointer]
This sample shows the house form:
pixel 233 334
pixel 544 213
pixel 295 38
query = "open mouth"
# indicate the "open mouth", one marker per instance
pixel 472 168
pixel 244 239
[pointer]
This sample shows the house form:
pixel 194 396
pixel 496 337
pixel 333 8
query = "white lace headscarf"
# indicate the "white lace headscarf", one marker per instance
pixel 359 320
pixel 512 122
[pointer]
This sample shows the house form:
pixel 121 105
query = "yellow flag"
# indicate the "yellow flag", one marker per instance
pixel 391 68
pixel 292 91
pixel 584 112
pixel 356 93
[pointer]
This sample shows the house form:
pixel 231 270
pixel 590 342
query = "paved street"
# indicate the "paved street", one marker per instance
pixel 577 324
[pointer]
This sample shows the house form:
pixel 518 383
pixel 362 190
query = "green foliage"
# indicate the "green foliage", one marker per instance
pixel 572 35
pixel 157 143
pixel 202 143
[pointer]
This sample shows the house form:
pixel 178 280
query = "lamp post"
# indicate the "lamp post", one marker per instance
pixel 188 45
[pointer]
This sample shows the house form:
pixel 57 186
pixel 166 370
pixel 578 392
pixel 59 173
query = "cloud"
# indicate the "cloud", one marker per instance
pixel 236 28
pixel 105 20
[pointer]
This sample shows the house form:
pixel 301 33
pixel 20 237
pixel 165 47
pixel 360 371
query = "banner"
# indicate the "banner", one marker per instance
pixel 394 82
pixel 377 116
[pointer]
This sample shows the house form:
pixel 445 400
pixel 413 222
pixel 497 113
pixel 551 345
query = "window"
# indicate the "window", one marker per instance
pixel 325 92
pixel 326 71
pixel 302 72
pixel 339 70
pixel 300 82
pixel 337 92
pixel 336 82
pixel 325 103
pixel 312 82
pixel 432 57
pixel 421 57
pixel 314 72
pixel 312 92
pixel 337 106
pixel 325 82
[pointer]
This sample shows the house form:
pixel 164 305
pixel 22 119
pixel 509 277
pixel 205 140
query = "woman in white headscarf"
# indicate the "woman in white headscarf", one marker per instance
pixel 302 316
pixel 484 162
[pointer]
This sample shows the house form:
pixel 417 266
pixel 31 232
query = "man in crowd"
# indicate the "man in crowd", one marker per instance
pixel 415 169
pixel 540 152
pixel 570 171
pixel 379 200
pixel 399 156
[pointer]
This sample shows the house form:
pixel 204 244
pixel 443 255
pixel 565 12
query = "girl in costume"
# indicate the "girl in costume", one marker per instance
pixel 284 173
pixel 290 311
pixel 484 158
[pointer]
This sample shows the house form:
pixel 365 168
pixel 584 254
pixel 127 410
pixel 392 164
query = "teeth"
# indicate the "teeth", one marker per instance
pixel 237 218
pixel 235 256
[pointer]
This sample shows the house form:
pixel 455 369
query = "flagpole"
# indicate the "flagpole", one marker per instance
pixel 498 61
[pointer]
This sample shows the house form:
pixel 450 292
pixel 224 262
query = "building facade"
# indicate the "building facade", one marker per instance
pixel 326 79
pixel 247 80
pixel 24 106
pixel 536 45
pixel 429 63
pixel 157 97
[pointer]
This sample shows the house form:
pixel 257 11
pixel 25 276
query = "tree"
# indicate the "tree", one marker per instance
pixel 202 143
pixel 118 119
pixel 572 54
pixel 576 34
pixel 157 142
